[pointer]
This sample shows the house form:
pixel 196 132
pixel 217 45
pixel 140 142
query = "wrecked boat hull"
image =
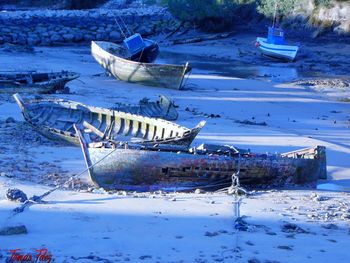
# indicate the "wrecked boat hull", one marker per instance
pixel 32 82
pixel 149 170
pixel 55 118
pixel 150 74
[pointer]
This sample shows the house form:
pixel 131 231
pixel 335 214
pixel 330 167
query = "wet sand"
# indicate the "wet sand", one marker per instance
pixel 181 227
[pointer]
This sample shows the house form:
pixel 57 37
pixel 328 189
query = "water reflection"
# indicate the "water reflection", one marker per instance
pixel 333 187
pixel 274 71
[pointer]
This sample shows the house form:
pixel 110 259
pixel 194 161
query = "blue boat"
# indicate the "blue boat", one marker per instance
pixel 275 46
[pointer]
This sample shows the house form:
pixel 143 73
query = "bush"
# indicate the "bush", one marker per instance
pixel 213 15
pixel 326 3
pixel 284 7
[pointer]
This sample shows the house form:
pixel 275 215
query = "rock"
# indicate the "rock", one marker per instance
pixel 68 37
pixel 14 194
pixel 240 224
pixel 211 234
pixel 10 120
pixel 345 216
pixel 20 39
pixel 114 35
pixel 101 36
pixel 317 198
pixel 78 37
pixel 268 232
pixel 199 191
pixel 253 260
pixel 14 230
pixel 330 226
pixel 56 38
pixel 145 30
pixel 88 37
pixel 292 228
pixel 33 40
pixel 5 175
pixel 343 28
pixel 46 41
pixel 285 247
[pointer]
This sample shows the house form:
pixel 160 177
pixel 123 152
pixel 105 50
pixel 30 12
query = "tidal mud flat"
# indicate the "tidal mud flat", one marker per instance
pixel 192 227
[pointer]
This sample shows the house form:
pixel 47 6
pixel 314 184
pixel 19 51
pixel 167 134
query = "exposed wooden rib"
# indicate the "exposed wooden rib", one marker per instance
pixel 48 115
pixel 111 126
pixel 145 128
pixel 94 129
pixel 117 124
pixel 154 135
pixel 122 124
pixel 38 115
pixel 100 119
pixel 128 125
pixel 138 130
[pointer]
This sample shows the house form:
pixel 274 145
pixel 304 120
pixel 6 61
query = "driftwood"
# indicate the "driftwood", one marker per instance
pixel 201 38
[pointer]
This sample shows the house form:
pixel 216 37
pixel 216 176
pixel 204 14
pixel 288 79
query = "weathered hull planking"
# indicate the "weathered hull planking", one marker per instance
pixel 164 108
pixel 55 118
pixel 110 57
pixel 141 169
pixel 31 82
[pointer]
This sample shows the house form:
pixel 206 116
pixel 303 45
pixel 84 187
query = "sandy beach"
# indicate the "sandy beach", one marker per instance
pixel 85 224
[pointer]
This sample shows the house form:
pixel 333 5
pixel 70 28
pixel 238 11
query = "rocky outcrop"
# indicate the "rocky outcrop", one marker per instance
pixel 308 16
pixel 336 16
pixel 52 27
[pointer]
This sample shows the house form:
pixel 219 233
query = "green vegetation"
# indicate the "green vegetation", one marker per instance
pixel 221 12
pixel 284 7
pixel 212 15
pixel 196 10
pixel 326 3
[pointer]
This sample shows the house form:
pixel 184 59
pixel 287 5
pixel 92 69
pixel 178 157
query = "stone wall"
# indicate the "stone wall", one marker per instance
pixel 48 27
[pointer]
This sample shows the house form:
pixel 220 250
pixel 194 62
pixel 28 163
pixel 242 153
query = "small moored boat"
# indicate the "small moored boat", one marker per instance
pixel 34 82
pixel 54 118
pixel 122 166
pixel 115 60
pixel 275 46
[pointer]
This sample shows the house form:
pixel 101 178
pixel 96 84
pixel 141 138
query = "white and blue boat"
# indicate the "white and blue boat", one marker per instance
pixel 275 46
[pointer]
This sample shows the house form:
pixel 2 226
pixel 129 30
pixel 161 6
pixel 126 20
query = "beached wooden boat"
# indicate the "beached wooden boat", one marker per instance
pixel 34 82
pixel 275 46
pixel 54 118
pixel 116 166
pixel 113 59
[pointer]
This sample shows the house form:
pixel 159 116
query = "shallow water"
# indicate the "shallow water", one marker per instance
pixel 333 187
pixel 272 70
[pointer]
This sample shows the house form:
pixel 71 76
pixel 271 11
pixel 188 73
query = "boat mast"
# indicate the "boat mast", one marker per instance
pixel 122 26
pixel 274 15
